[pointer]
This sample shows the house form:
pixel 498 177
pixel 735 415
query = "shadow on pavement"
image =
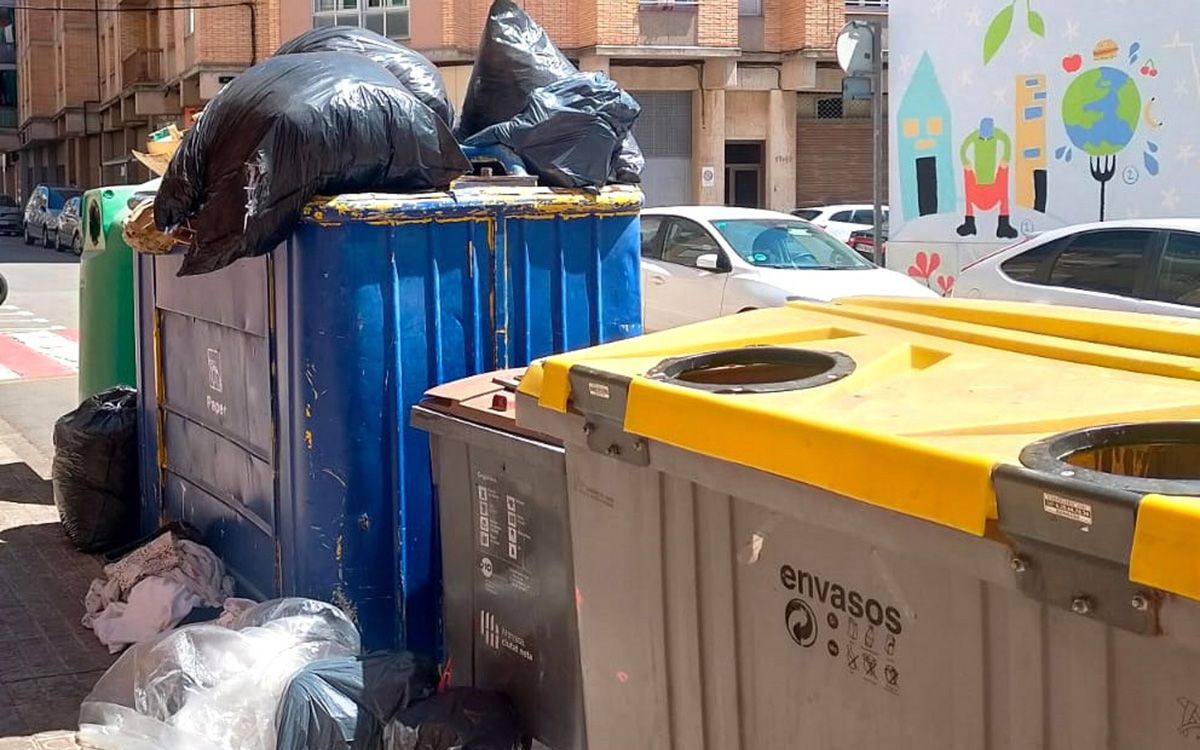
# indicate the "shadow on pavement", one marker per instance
pixel 21 484
pixel 16 251
pixel 48 660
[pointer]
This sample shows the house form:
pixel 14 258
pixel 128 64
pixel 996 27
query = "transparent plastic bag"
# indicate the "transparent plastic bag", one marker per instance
pixel 206 687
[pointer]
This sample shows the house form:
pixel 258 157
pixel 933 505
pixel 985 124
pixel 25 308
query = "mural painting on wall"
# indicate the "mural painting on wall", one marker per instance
pixel 926 154
pixel 1102 109
pixel 1025 81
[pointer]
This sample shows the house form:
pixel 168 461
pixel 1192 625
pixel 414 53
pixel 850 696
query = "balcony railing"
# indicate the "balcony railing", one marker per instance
pixel 141 66
pixel 866 6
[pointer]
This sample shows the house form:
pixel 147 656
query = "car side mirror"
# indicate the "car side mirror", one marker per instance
pixel 709 262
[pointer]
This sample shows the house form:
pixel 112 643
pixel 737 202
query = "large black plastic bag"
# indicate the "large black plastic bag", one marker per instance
pixel 569 130
pixel 285 130
pixel 458 719
pixel 95 471
pixel 515 58
pixel 345 703
pixel 414 70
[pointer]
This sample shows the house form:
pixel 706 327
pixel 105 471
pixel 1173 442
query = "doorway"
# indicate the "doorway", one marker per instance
pixel 744 174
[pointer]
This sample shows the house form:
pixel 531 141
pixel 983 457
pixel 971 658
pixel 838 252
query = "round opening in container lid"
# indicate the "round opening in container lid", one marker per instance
pixel 755 369
pixel 1161 457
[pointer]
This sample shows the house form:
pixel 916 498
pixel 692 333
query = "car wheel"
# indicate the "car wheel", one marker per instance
pixel 57 244
pixel 28 236
pixel 3 289
pixel 77 244
pixel 46 238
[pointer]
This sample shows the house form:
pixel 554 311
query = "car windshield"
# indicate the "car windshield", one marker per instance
pixel 780 243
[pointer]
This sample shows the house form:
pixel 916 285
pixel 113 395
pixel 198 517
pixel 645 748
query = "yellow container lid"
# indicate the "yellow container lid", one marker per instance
pixel 940 394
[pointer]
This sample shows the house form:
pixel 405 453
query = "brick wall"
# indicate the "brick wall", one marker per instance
pixel 75 53
pixel 36 80
pixel 616 22
pixel 833 161
pixel 223 34
pixel 717 23
pixel 571 24
pixel 806 24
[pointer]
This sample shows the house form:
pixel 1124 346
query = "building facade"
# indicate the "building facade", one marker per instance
pixel 741 99
pixel 95 78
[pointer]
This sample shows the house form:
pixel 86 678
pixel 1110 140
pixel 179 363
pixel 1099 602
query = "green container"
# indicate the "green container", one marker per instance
pixel 106 329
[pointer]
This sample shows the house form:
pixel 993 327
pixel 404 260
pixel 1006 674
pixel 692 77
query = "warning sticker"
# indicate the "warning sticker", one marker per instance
pixel 503 530
pixel 1063 507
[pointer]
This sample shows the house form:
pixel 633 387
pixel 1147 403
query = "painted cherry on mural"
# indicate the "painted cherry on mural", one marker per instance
pixel 1072 63
pixel 945 285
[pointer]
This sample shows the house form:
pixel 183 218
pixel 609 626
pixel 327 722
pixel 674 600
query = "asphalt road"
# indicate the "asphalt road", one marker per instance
pixel 37 384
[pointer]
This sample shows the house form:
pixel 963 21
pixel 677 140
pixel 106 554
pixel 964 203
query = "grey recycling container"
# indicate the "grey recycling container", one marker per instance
pixel 509 596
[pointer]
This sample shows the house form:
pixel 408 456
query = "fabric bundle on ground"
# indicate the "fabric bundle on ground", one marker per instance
pixel 152 589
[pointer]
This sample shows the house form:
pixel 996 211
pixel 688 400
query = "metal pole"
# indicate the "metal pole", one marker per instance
pixel 878 170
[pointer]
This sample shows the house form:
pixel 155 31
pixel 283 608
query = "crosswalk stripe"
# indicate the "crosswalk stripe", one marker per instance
pixel 50 344
pixel 27 362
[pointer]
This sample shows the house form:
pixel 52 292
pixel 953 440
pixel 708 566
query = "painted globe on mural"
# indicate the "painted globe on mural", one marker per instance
pixel 1101 109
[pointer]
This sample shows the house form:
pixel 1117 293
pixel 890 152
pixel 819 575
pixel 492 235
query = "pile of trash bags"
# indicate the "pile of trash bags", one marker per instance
pixel 95 471
pixel 570 129
pixel 286 675
pixel 343 109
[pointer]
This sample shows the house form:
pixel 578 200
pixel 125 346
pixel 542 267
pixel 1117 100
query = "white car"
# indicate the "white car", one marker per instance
pixel 1150 266
pixel 701 262
pixel 841 221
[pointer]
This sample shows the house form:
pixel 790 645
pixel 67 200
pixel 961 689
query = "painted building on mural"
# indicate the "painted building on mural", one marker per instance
pixel 1011 118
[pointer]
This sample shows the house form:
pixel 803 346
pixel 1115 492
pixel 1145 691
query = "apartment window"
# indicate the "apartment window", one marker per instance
pixel 386 17
pixel 749 7
pixel 834 107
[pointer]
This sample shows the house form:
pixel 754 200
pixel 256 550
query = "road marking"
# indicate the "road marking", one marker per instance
pixel 32 349
pixel 53 345
pixel 30 363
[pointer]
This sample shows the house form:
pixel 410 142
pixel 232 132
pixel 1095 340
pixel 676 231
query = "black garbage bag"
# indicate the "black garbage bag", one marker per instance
pixel 95 471
pixel 515 58
pixel 345 704
pixel 569 130
pixel 628 162
pixel 285 130
pixel 458 719
pixel 414 70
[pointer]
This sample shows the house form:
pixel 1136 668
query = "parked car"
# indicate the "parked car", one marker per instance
pixel 11 218
pixel 701 262
pixel 42 210
pixel 68 227
pixel 863 241
pixel 1148 266
pixel 841 220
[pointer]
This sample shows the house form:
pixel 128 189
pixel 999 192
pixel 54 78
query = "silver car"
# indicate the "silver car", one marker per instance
pixel 67 231
pixel 1147 265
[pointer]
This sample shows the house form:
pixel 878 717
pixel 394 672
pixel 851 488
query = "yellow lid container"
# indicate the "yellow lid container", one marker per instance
pixel 913 405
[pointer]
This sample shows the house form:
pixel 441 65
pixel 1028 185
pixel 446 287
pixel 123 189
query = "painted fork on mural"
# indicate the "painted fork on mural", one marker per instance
pixel 1103 170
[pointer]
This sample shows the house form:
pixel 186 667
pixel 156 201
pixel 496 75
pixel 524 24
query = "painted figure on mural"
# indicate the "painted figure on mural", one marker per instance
pixel 985 155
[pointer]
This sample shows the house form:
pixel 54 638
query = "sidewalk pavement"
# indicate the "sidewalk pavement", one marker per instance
pixel 48 660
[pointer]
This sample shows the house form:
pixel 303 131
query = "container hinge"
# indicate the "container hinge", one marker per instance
pixel 601 398
pixel 1071 543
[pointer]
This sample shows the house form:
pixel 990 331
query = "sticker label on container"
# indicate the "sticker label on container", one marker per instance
pixel 860 631
pixel 599 390
pixel 503 528
pixel 1064 507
